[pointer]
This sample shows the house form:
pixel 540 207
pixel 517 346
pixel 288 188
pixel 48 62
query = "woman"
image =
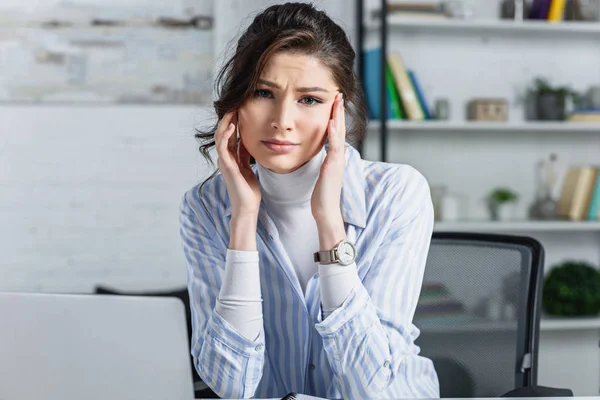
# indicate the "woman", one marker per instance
pixel 304 270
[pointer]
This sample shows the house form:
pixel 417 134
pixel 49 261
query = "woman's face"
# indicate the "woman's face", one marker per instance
pixel 284 124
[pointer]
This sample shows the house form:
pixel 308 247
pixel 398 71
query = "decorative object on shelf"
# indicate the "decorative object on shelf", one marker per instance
pixel 510 292
pixel 531 106
pixel 487 110
pixel 582 10
pixel 572 289
pixel 592 97
pixel 573 11
pixel 453 207
pixel 495 307
pixel 551 102
pixel 501 202
pixel 545 205
pixel 437 196
pixel 460 9
pixel 514 9
pixel 442 109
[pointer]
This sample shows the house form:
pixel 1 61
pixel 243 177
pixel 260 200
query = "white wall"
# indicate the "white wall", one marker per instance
pixel 469 163
pixel 89 195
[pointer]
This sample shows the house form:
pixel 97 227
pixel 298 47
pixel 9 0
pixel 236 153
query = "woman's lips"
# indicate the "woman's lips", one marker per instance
pixel 280 147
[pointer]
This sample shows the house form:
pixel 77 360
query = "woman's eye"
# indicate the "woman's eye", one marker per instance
pixel 262 93
pixel 310 101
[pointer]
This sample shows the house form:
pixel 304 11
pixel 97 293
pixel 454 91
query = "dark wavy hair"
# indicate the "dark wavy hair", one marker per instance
pixel 297 28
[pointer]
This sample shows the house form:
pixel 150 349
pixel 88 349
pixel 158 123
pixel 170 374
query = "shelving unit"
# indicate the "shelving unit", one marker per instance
pixel 566 324
pixel 459 60
pixel 518 226
pixel 488 26
pixel 546 324
pixel 489 127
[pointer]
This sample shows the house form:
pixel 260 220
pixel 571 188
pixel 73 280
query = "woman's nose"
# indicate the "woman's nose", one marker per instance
pixel 283 116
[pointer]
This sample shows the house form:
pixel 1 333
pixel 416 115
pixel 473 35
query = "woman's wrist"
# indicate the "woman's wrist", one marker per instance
pixel 243 233
pixel 331 232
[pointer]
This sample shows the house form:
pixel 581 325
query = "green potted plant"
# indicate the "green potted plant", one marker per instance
pixel 572 288
pixel 549 102
pixel 502 203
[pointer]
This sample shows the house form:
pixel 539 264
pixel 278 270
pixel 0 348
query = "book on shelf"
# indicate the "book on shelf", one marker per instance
pixel 405 96
pixel 436 303
pixel 584 115
pixel 405 87
pixel 420 94
pixel 557 10
pixel 539 9
pixel 372 85
pixel 550 10
pixel 580 195
pixel 397 109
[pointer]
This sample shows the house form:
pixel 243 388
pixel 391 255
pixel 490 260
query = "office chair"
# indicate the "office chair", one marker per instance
pixel 479 314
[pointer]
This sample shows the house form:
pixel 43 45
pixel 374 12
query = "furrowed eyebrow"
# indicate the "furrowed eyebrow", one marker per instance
pixel 301 90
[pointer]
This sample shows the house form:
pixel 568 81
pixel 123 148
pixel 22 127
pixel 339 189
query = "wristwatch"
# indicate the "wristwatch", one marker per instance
pixel 344 253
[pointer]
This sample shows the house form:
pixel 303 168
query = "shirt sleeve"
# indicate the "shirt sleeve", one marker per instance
pixel 369 339
pixel 336 282
pixel 227 361
pixel 240 301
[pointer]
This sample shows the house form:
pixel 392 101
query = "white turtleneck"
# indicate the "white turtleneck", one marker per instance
pixel 287 197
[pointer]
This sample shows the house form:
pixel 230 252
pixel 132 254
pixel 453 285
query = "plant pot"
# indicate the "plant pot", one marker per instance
pixel 502 212
pixel 531 107
pixel 551 107
pixel 506 212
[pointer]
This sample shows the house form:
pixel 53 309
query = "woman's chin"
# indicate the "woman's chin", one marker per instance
pixel 280 164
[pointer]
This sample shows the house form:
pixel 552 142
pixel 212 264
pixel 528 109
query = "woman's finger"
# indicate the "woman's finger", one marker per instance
pixel 222 126
pixel 335 124
pixel 342 121
pixel 222 143
pixel 339 117
pixel 243 155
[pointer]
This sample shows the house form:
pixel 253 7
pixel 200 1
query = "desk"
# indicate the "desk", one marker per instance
pixel 303 397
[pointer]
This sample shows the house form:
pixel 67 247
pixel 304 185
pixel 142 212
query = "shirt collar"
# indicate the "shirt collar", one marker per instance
pixel 353 203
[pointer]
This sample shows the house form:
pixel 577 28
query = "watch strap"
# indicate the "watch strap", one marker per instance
pixel 326 257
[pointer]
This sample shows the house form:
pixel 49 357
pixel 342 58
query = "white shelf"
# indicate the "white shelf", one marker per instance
pixel 546 324
pixel 517 226
pixel 477 326
pixel 499 127
pixel 489 26
pixel 564 324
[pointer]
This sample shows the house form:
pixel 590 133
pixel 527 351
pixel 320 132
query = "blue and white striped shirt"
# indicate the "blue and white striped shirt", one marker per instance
pixel 364 349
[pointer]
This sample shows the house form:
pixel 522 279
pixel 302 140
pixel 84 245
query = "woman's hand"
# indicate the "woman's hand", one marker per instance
pixel 325 201
pixel 234 163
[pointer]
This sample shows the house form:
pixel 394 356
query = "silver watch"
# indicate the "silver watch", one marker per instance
pixel 344 253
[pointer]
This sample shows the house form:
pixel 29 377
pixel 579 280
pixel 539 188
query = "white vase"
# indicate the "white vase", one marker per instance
pixel 506 212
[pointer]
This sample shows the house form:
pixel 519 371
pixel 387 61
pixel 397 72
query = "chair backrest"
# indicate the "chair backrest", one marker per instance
pixel 479 312
pixel 74 347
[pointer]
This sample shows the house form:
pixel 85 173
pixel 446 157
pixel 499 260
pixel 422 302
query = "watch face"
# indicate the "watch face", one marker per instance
pixel 346 253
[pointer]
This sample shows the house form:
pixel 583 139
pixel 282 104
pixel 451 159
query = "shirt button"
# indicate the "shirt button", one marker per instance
pixel 312 367
pixel 316 275
pixel 270 237
pixel 386 364
pixel 259 347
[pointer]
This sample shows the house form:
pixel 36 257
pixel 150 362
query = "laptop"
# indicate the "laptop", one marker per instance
pixel 93 347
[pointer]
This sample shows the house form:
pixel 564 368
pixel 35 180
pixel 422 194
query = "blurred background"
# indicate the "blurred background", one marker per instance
pixel 496 102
